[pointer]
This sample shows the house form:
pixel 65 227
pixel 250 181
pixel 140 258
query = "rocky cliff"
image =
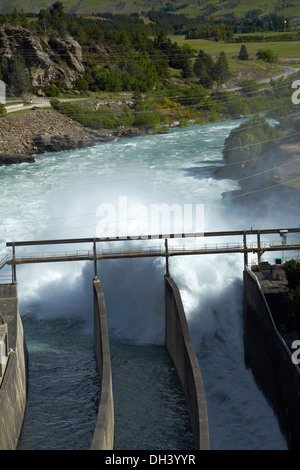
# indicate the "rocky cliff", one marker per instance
pixel 47 59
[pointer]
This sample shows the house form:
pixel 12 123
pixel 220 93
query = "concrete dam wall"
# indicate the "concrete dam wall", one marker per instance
pixel 181 350
pixel 103 438
pixel 13 367
pixel 269 356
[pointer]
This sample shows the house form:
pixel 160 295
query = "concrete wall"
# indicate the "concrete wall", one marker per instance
pixel 269 358
pixel 103 438
pixel 181 350
pixel 13 388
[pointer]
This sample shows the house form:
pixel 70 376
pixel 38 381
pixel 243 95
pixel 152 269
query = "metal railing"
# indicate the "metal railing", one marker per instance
pixel 167 250
pixel 148 251
pixel 4 261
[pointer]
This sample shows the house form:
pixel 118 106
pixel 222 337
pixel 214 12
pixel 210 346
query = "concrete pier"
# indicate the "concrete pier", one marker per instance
pixel 181 350
pixel 103 438
pixel 13 369
pixel 269 332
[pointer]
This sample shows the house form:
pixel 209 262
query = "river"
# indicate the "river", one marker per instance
pixel 117 186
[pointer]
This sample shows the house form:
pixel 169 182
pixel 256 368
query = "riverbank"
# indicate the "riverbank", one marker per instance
pixel 25 135
pixel 277 169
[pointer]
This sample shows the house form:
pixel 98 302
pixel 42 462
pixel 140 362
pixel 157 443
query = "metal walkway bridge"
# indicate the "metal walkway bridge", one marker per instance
pixel 244 245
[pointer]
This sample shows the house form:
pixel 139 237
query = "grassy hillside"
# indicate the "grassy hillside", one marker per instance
pixel 192 8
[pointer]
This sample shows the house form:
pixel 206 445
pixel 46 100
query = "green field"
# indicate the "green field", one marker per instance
pixel 288 53
pixel 285 49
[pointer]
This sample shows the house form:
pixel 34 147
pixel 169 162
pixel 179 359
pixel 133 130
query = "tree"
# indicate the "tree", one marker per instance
pixel 222 69
pixel 108 80
pixel 243 54
pixel 57 10
pixel 44 21
pixel 81 84
pixel 53 20
pixel 16 76
pixel 161 63
pixel 18 18
pixel 204 69
pixel 187 69
pixel 141 70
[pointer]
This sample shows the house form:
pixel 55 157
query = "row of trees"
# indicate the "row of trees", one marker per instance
pixel 224 30
pixel 216 32
pixel 163 19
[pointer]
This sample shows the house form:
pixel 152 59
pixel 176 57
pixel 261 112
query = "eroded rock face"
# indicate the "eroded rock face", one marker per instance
pixel 45 59
pixel 69 51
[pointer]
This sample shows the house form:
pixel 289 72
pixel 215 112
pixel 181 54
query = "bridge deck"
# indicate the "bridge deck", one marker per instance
pixel 148 252
pixel 166 250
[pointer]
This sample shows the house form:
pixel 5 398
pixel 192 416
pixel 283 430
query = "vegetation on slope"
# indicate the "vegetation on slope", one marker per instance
pixel 190 8
pixel 292 271
pixel 167 79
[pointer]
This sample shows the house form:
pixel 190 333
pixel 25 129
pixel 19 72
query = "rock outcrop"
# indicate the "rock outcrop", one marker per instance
pixel 23 136
pixel 47 60
pixel 69 51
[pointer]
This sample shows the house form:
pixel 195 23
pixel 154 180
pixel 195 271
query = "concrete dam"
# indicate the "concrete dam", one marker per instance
pixel 13 372
pixel 262 338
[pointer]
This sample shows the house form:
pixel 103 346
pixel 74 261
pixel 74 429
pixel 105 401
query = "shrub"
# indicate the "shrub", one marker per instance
pixel 52 91
pixel 292 272
pixel 3 111
pixel 267 55
pixel 145 117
